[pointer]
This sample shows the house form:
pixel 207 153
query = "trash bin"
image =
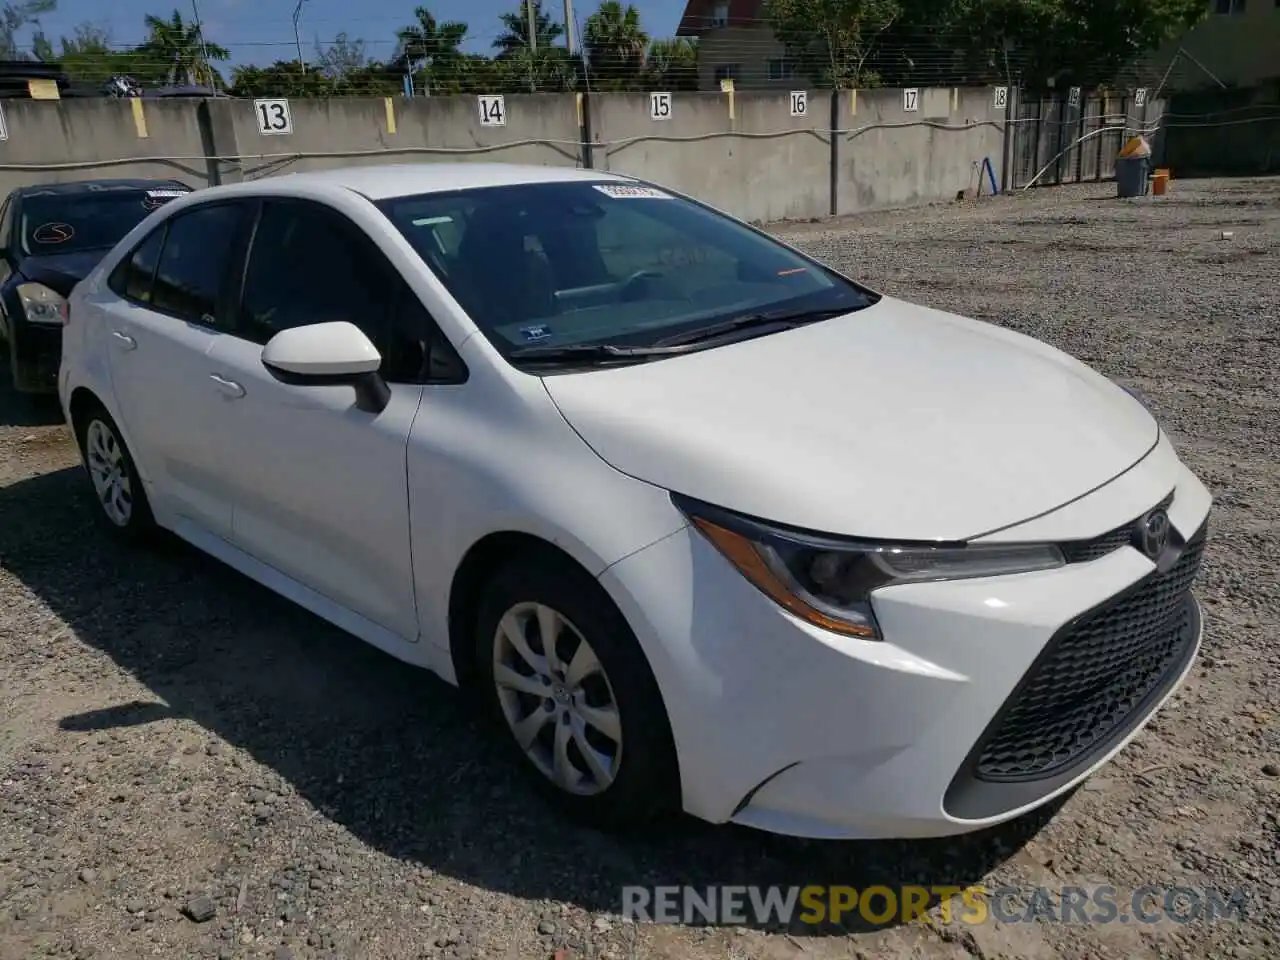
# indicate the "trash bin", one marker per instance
pixel 1133 166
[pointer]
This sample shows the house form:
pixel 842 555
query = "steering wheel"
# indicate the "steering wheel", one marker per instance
pixel 631 286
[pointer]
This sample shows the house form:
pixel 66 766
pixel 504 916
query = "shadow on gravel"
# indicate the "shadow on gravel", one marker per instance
pixel 388 752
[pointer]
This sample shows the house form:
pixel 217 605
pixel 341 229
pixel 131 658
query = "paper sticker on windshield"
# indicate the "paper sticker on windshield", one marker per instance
pixel 53 233
pixel 536 333
pixel 621 191
pixel 158 198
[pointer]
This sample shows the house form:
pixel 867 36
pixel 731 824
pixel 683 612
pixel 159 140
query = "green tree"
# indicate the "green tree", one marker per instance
pixel 672 64
pixel 429 49
pixel 342 57
pixel 16 15
pixel 831 41
pixel 175 52
pixel 514 41
pixel 615 44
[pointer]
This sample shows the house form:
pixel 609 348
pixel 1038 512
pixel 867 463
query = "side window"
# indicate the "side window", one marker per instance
pixel 416 351
pixel 132 276
pixel 309 264
pixel 192 271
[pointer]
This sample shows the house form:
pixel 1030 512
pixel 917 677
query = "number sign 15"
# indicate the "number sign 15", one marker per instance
pixel 659 106
pixel 274 116
pixel 799 103
pixel 911 99
pixel 493 111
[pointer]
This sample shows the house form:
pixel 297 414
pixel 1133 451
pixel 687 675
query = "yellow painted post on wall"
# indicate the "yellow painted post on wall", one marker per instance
pixel 577 106
pixel 139 117
pixel 955 99
pixel 726 87
pixel 43 89
pixel 391 114
pixel 853 101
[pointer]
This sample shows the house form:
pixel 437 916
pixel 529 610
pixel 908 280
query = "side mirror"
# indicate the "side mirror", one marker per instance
pixel 329 355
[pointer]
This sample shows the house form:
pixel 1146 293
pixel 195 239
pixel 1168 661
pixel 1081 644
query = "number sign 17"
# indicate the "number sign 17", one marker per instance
pixel 274 116
pixel 911 99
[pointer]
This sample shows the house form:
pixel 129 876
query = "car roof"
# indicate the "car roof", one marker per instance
pixel 96 186
pixel 382 181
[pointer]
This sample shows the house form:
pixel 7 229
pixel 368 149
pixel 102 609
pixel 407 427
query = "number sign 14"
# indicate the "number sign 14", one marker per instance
pixel 911 99
pixel 274 116
pixel 493 111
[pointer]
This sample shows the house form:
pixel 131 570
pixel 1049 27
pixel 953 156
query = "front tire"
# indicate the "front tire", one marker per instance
pixel 582 709
pixel 120 502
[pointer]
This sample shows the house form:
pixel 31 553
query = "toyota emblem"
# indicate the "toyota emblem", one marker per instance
pixel 1153 533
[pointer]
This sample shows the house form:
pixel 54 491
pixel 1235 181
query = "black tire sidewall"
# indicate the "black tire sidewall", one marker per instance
pixel 141 523
pixel 647 784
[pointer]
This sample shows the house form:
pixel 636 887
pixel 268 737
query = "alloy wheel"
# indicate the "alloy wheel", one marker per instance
pixel 104 456
pixel 557 699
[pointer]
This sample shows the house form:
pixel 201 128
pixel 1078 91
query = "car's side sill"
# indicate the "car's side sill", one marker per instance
pixel 426 655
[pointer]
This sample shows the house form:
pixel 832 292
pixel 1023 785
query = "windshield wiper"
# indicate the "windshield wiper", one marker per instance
pixel 783 319
pixel 590 351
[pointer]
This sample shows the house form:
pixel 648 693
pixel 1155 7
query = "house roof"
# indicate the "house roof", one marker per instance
pixel 699 15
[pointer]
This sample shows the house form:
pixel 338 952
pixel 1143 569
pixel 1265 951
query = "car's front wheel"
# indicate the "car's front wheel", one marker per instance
pixel 121 502
pixel 564 674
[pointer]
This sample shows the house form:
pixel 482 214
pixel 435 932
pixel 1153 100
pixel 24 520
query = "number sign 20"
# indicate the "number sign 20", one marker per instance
pixel 274 116
pixel 493 111
pixel 659 106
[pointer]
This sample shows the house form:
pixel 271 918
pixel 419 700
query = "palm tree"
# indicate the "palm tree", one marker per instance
pixel 673 64
pixel 180 53
pixel 515 40
pixel 431 46
pixel 614 42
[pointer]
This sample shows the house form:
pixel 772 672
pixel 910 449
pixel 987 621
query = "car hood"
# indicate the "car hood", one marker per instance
pixel 62 271
pixel 894 422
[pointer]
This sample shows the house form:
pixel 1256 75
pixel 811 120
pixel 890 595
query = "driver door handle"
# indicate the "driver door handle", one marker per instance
pixel 229 387
pixel 124 341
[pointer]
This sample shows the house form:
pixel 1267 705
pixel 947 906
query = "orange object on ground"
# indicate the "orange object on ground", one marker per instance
pixel 1159 182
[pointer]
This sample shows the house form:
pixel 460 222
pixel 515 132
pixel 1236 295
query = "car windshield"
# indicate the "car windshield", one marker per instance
pixel 581 264
pixel 91 220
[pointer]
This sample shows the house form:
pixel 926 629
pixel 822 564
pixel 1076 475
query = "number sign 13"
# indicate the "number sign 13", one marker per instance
pixel 274 116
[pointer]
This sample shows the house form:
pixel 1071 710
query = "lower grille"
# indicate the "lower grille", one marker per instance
pixel 1094 675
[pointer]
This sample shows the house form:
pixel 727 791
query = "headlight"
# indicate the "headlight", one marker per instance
pixel 829 581
pixel 42 305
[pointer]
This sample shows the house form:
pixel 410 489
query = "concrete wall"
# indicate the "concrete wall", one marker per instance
pixel 1241 49
pixel 744 152
pixel 891 157
pixel 760 164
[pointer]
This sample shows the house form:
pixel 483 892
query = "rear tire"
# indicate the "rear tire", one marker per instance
pixel 120 501
pixel 587 722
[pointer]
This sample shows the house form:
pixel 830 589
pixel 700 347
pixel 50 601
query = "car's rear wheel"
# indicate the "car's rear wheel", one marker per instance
pixel 564 674
pixel 121 502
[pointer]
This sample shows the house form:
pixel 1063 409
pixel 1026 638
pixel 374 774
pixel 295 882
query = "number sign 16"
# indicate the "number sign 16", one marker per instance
pixel 274 116
pixel 799 103
pixel 659 106
pixel 493 111
pixel 911 99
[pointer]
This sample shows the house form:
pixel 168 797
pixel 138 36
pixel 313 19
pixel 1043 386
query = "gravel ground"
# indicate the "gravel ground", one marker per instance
pixel 177 742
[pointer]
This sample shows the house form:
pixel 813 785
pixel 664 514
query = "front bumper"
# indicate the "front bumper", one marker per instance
pixel 784 727
pixel 38 354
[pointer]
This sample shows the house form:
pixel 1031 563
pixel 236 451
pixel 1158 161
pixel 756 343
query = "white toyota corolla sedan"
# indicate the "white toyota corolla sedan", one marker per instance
pixel 701 522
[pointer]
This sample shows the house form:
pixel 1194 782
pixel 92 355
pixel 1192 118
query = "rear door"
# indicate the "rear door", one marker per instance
pixel 166 310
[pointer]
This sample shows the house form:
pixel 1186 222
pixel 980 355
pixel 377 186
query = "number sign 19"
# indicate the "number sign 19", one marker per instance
pixel 799 103
pixel 493 111
pixel 659 106
pixel 1000 99
pixel 274 116
pixel 911 99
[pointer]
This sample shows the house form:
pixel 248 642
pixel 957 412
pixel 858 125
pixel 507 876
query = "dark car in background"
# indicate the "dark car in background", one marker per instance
pixel 51 236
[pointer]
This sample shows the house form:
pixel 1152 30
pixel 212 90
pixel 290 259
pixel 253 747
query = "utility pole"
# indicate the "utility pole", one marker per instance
pixel 297 37
pixel 204 48
pixel 533 43
pixel 568 26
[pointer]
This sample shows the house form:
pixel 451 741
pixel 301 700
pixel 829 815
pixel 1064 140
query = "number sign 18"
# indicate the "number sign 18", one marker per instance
pixel 1000 99
pixel 799 103
pixel 274 116
pixel 911 99
pixel 493 111
pixel 659 106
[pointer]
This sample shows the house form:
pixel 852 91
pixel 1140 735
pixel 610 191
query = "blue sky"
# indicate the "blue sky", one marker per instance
pixel 261 31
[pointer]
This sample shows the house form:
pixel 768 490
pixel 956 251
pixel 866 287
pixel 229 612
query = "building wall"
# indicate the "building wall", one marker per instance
pixel 748 49
pixel 1240 48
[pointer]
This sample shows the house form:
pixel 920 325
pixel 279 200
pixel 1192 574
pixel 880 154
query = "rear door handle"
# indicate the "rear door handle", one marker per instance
pixel 124 341
pixel 229 387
